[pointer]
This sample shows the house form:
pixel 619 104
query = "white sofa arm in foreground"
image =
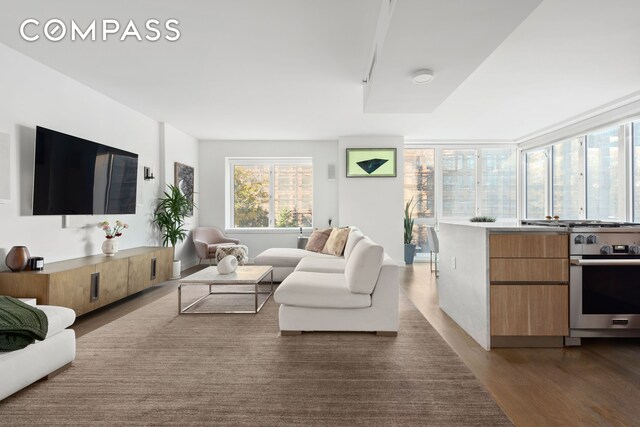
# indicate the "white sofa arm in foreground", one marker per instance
pixel 20 368
pixel 359 294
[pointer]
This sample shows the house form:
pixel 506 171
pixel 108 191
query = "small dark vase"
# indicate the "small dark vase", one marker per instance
pixel 17 258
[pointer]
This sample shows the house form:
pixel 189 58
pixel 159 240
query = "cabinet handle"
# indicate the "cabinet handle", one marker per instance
pixel 95 287
pixel 153 268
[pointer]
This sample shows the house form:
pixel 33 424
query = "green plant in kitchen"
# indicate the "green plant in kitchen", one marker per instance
pixel 170 214
pixel 482 219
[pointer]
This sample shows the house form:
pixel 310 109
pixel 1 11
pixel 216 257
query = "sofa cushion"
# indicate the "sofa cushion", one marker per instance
pixel 318 239
pixel 336 241
pixel 363 266
pixel 59 318
pixel 286 257
pixel 354 237
pixel 322 265
pixel 319 290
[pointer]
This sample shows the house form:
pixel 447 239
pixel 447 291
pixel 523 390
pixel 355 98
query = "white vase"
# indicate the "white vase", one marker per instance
pixel 110 247
pixel 227 265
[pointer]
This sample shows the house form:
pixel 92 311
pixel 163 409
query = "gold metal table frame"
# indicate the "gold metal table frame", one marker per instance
pixel 244 276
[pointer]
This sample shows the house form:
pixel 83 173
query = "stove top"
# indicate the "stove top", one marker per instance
pixel 571 223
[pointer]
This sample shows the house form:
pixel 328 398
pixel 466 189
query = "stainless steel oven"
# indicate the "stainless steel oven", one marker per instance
pixel 604 283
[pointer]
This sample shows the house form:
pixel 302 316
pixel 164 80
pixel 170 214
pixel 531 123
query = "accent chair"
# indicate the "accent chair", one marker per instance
pixel 208 239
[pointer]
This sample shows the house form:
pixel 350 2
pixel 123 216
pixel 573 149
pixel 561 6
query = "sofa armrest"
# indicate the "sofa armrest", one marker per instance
pixel 202 248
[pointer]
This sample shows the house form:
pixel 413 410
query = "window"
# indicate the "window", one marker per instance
pixel 536 177
pixel 270 193
pixel 567 165
pixel 458 183
pixel 498 182
pixel 603 169
pixel 419 185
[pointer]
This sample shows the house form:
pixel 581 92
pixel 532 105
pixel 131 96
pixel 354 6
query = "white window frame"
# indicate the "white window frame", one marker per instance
pixel 230 162
pixel 625 162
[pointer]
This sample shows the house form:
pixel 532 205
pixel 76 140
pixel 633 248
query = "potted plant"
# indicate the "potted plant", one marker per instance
pixel 409 248
pixel 169 216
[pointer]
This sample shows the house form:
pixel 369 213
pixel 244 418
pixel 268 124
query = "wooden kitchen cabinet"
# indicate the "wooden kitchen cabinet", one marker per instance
pixel 84 284
pixel 529 310
pixel 529 291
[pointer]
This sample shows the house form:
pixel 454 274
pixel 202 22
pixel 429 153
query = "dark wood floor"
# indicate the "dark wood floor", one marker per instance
pixel 595 384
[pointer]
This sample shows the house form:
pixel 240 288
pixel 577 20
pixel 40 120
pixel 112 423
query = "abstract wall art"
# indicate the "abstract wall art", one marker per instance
pixel 371 162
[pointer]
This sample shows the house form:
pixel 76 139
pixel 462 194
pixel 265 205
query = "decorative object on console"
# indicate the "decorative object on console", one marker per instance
pixel 169 216
pixel 318 239
pixel 371 162
pixel 409 248
pixel 36 263
pixel 336 241
pixel 183 179
pixel 482 219
pixel 227 265
pixel 110 245
pixel 17 258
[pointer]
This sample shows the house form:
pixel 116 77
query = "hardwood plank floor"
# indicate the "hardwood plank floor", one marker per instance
pixel 595 384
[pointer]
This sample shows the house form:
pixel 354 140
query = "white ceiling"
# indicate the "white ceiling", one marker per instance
pixel 292 69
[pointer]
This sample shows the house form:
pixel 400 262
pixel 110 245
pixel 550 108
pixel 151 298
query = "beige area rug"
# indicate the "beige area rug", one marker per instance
pixel 155 367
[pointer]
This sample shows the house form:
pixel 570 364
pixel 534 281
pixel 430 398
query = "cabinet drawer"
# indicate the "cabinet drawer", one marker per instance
pixel 524 245
pixel 529 310
pixel 529 270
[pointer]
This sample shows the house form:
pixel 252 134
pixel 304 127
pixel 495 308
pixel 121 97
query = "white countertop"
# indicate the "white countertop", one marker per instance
pixel 507 225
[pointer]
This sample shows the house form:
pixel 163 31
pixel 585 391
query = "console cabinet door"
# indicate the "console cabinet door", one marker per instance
pixel 113 281
pixel 140 272
pixel 164 267
pixel 72 288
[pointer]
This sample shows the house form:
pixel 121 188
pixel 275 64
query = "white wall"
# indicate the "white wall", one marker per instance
pixel 375 205
pixel 212 188
pixel 33 95
pixel 177 146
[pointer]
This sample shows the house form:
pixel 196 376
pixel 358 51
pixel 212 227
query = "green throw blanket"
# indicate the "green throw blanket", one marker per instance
pixel 20 324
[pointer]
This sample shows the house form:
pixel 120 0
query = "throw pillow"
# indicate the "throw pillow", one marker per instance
pixel 317 239
pixel 336 241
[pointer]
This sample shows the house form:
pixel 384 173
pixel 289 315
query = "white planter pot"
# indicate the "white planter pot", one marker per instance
pixel 110 247
pixel 177 268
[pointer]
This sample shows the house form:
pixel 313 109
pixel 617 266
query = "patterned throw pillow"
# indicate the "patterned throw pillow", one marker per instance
pixel 336 241
pixel 317 239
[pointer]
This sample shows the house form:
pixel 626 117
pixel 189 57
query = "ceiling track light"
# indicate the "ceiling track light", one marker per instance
pixel 422 77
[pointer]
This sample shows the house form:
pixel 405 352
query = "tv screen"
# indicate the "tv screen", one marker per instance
pixel 73 176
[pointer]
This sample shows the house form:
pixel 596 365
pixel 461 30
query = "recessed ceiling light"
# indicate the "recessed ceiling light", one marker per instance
pixel 422 77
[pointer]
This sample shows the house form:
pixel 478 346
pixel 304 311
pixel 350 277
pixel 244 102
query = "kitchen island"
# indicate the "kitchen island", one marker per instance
pixel 504 283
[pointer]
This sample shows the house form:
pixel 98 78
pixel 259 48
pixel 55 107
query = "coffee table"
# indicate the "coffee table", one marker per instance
pixel 250 275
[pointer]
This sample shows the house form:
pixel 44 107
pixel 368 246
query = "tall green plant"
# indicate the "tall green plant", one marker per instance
pixel 408 222
pixel 170 213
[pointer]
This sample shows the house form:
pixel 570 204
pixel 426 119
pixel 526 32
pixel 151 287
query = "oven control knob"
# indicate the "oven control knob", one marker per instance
pixel 605 250
pixel 634 250
pixel 592 239
pixel 579 240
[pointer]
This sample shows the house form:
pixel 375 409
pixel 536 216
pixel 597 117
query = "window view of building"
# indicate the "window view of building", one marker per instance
pixel 498 182
pixel 567 179
pixel 536 177
pixel 419 186
pixel 603 168
pixel 275 193
pixel 458 183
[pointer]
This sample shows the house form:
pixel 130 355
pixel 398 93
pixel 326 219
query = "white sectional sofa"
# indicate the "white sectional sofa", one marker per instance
pixel 285 260
pixel 356 293
pixel 20 368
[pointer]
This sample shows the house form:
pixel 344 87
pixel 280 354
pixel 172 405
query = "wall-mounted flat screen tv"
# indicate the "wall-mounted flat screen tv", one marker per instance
pixel 73 176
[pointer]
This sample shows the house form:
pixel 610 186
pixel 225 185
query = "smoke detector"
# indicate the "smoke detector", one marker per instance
pixel 422 77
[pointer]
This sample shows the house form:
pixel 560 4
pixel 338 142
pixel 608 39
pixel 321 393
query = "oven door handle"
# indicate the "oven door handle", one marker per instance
pixel 580 262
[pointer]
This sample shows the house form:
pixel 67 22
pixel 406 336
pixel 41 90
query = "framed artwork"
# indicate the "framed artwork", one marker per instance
pixel 371 162
pixel 183 177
